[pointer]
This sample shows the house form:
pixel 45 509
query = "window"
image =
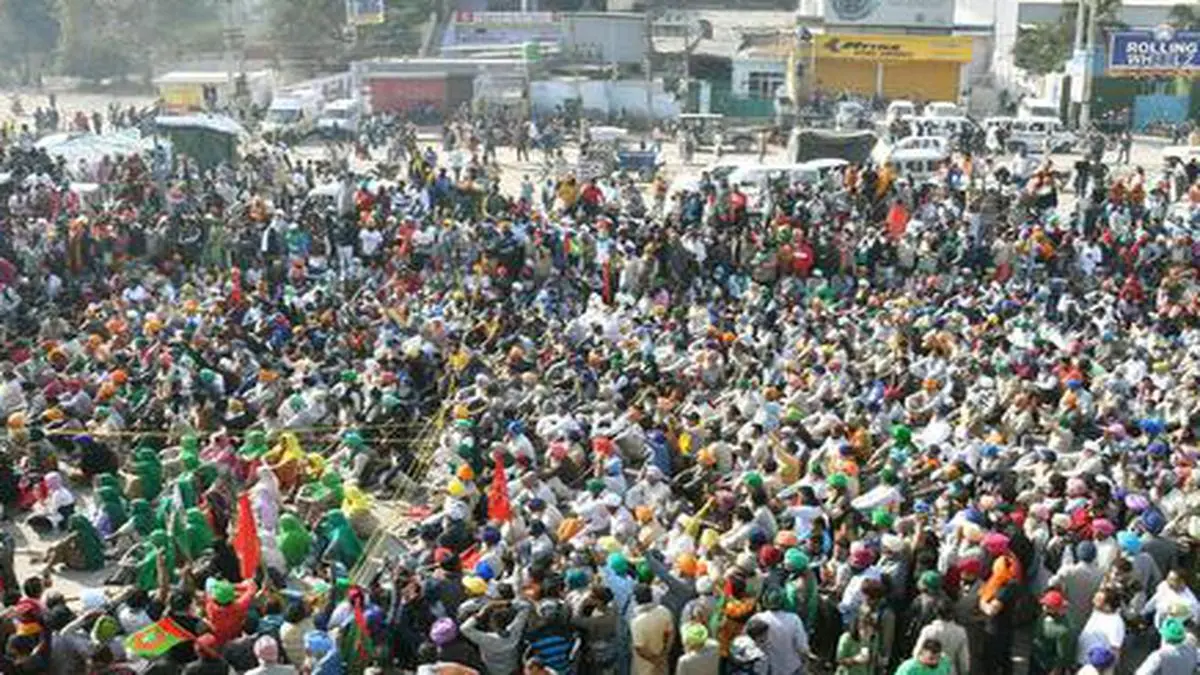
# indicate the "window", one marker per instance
pixel 764 85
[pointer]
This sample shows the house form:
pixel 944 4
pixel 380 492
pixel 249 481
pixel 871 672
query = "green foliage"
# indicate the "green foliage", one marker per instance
pixel 28 34
pixel 1044 48
pixel 1185 17
pixel 89 45
pixel 307 30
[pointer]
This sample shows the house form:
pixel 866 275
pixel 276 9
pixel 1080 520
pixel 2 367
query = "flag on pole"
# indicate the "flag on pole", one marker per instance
pixel 245 540
pixel 156 639
pixel 498 506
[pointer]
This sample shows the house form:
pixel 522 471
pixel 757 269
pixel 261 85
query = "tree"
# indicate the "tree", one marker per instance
pixel 1185 17
pixel 311 32
pixel 92 44
pixel 1045 48
pixel 28 33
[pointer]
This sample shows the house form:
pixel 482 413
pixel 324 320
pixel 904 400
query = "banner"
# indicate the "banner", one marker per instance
pixel 503 28
pixel 1164 50
pixel 889 12
pixel 894 48
pixel 365 12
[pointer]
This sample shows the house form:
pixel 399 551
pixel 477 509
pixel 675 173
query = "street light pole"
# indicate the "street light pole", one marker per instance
pixel 1085 106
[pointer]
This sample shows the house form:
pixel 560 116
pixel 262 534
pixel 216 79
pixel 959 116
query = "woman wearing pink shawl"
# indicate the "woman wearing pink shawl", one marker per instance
pixel 266 499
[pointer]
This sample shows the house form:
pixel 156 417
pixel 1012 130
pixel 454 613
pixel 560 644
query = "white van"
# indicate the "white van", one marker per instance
pixel 942 109
pixel 945 127
pixel 898 109
pixel 919 165
pixel 292 117
pixel 340 118
pixel 883 152
pixel 1037 107
pixel 1031 133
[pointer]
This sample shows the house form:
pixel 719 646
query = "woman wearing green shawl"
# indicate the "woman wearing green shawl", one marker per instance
pixel 148 469
pixel 82 550
pixel 110 510
pixel 322 494
pixel 143 518
pixel 198 535
pixel 294 540
pixel 343 544
pixel 147 568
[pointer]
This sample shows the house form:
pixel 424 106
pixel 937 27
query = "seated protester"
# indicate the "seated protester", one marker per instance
pixel 134 612
pixel 266 650
pixel 104 662
pixel 239 652
pixel 181 610
pixel 27 652
pixel 226 608
pixel 208 658
pixel 50 512
pixel 553 640
pixel 452 647
pixel 297 623
pixel 321 654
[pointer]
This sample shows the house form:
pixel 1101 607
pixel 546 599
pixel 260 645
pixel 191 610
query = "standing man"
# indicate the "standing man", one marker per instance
pixel 653 632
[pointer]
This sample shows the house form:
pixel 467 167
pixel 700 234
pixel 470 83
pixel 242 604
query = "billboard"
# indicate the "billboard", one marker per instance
pixel 889 13
pixel 365 12
pixel 503 28
pixel 1154 51
pixel 894 48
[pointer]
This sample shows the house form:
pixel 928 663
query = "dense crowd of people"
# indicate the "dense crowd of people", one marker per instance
pixel 863 426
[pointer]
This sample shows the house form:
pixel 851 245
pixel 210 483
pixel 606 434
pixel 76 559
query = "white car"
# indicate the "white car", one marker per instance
pixel 1181 153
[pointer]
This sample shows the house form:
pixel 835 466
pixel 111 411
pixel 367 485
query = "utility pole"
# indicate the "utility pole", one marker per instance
pixel 1085 106
pixel 648 66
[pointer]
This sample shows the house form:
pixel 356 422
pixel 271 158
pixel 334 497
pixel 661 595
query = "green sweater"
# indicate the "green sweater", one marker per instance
pixel 915 667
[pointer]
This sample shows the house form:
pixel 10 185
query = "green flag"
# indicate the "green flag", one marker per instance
pixel 156 639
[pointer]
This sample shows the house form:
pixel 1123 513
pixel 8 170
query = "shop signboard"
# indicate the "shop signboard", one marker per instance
pixel 894 48
pixel 889 13
pixel 504 28
pixel 1154 51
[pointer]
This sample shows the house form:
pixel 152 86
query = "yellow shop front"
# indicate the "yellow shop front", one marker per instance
pixel 924 67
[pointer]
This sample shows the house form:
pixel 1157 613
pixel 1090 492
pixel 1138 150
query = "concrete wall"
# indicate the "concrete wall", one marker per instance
pixel 602 98
pixel 742 67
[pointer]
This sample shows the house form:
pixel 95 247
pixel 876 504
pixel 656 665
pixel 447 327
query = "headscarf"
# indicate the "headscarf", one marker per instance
pixel 294 540
pixel 147 569
pixel 342 539
pixel 112 505
pixel 267 498
pixel 148 468
pixel 198 534
pixel 106 628
pixel 144 521
pixel 89 542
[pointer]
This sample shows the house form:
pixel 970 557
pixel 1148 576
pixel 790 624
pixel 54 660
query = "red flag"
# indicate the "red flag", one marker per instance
pixel 470 557
pixel 498 506
pixel 897 220
pixel 245 540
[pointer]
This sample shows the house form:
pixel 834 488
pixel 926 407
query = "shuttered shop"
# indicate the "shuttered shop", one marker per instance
pixel 921 80
pixel 407 93
pixel 841 75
